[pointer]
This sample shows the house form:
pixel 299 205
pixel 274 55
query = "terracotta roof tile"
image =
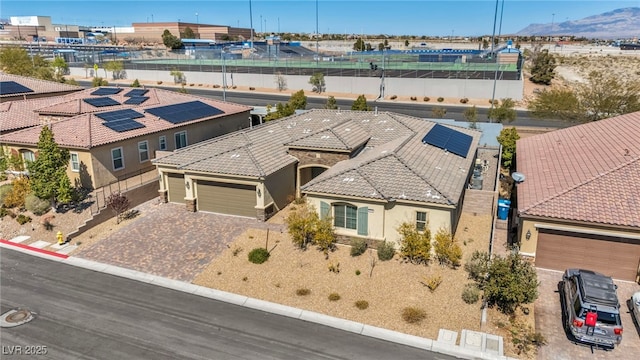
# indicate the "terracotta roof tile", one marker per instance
pixel 587 172
pixel 38 86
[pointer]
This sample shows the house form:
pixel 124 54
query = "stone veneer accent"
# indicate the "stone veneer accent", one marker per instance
pixel 191 205
pixel 164 196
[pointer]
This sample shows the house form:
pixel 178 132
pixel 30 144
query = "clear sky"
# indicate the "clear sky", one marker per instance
pixel 417 17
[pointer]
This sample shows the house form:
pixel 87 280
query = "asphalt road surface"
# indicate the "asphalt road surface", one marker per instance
pixel 82 314
pixel 417 109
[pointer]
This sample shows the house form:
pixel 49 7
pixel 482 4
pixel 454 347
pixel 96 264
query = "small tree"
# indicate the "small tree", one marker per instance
pixel 471 114
pixel 380 46
pixel 298 100
pixel 331 103
pixel 317 81
pixel 478 267
pixel 448 252
pixel 98 81
pixel 60 68
pixel 135 84
pixel 406 43
pixel 171 41
pixel 438 112
pixel 358 45
pixel 178 76
pixel 48 170
pixel 606 95
pixel 115 67
pixel 559 103
pixel 360 104
pixel 119 204
pixel 543 66
pixel 512 281
pixel 505 111
pixel 281 81
pixel 415 246
pixel 508 138
pixel 306 227
pixel 188 33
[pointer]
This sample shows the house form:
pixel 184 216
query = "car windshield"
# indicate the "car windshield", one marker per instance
pixel 603 317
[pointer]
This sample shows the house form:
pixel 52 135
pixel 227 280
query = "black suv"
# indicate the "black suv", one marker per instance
pixel 591 307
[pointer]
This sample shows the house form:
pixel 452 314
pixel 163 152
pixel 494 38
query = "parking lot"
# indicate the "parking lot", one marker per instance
pixel 549 323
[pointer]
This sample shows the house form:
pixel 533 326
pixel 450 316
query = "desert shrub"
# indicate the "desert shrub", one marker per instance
pixel 471 294
pixel 386 251
pixel 334 267
pixel 358 272
pixel 414 98
pixel 4 191
pixel 258 255
pixel 237 250
pixel 3 212
pixel 159 82
pixel 478 267
pixel 216 86
pixel 432 282
pixel 523 337
pixel 358 246
pixel 36 205
pixel 23 219
pixel 334 297
pixel 448 252
pixel 192 84
pixel 18 193
pixel 415 246
pixel 303 292
pixel 135 83
pixel 440 99
pixel 426 99
pixel 252 88
pixel 362 304
pixel 393 97
pixel 413 315
pixel 464 100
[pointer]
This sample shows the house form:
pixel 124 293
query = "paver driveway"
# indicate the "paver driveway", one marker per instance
pixel 169 241
pixel 549 323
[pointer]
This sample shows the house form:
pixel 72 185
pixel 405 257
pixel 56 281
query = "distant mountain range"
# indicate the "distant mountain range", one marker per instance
pixel 616 24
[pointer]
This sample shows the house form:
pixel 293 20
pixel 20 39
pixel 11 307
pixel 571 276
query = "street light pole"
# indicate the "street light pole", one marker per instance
pixel 495 76
pixel 250 24
pixel 317 35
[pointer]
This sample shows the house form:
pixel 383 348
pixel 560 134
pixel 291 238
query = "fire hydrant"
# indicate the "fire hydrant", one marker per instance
pixel 60 238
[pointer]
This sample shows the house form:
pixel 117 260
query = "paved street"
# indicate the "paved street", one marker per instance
pixel 82 314
pixel 549 323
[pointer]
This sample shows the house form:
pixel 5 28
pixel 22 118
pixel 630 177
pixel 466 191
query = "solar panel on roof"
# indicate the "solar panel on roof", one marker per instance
pixel 12 87
pixel 136 92
pixel 136 100
pixel 101 102
pixel 123 125
pixel 106 91
pixel 179 113
pixel 119 115
pixel 448 139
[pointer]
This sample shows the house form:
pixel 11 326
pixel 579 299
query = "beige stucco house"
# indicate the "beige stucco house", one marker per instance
pixel 112 142
pixel 369 171
pixel 579 205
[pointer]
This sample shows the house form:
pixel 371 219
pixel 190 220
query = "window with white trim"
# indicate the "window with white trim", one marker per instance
pixel 143 151
pixel 117 158
pixel 421 220
pixel 181 139
pixel 162 143
pixel 75 162
pixel 28 155
pixel 345 216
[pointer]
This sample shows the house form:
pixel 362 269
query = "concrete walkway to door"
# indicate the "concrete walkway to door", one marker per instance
pixel 169 241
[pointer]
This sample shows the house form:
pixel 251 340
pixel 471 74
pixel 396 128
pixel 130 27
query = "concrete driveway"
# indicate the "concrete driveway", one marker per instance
pixel 549 323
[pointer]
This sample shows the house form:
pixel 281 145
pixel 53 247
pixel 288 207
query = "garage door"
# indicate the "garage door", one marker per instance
pixel 613 256
pixel 176 189
pixel 232 199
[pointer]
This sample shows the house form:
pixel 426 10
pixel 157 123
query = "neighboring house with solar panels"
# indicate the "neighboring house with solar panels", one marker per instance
pixel 15 87
pixel 369 171
pixel 114 133
pixel 579 203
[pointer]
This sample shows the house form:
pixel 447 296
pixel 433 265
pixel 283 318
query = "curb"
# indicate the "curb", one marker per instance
pixel 261 305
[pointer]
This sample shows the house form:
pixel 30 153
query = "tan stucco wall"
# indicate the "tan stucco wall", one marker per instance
pixel 279 187
pixel 528 247
pixel 385 218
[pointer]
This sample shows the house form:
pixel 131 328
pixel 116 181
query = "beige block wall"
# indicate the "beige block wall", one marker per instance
pixel 528 247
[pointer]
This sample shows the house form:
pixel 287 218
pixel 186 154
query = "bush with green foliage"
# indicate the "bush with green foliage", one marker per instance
pixel 512 281
pixel 507 139
pixel 360 104
pixel 259 255
pixel 386 251
pixel 318 82
pixel 447 250
pixel 306 227
pixel 504 111
pixel 297 101
pixel 303 292
pixel 413 315
pixel 440 99
pixel 334 297
pixel 19 191
pixel 3 212
pixel 358 246
pixel 23 219
pixel 471 294
pixel 36 205
pixel 362 304
pixel 135 83
pixel 543 66
pixel 415 246
pixel 98 81
pixel 5 190
pixel 478 267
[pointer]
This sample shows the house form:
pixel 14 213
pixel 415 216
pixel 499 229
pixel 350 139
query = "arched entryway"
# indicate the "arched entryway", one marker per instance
pixel 307 173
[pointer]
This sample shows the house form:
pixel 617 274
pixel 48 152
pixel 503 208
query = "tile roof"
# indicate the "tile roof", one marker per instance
pixel 394 164
pixel 86 130
pixel 38 86
pixel 21 114
pixel 588 172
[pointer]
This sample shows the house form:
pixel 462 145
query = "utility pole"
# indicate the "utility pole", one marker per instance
pixel 553 16
pixel 317 35
pixel 251 25
pixel 495 20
